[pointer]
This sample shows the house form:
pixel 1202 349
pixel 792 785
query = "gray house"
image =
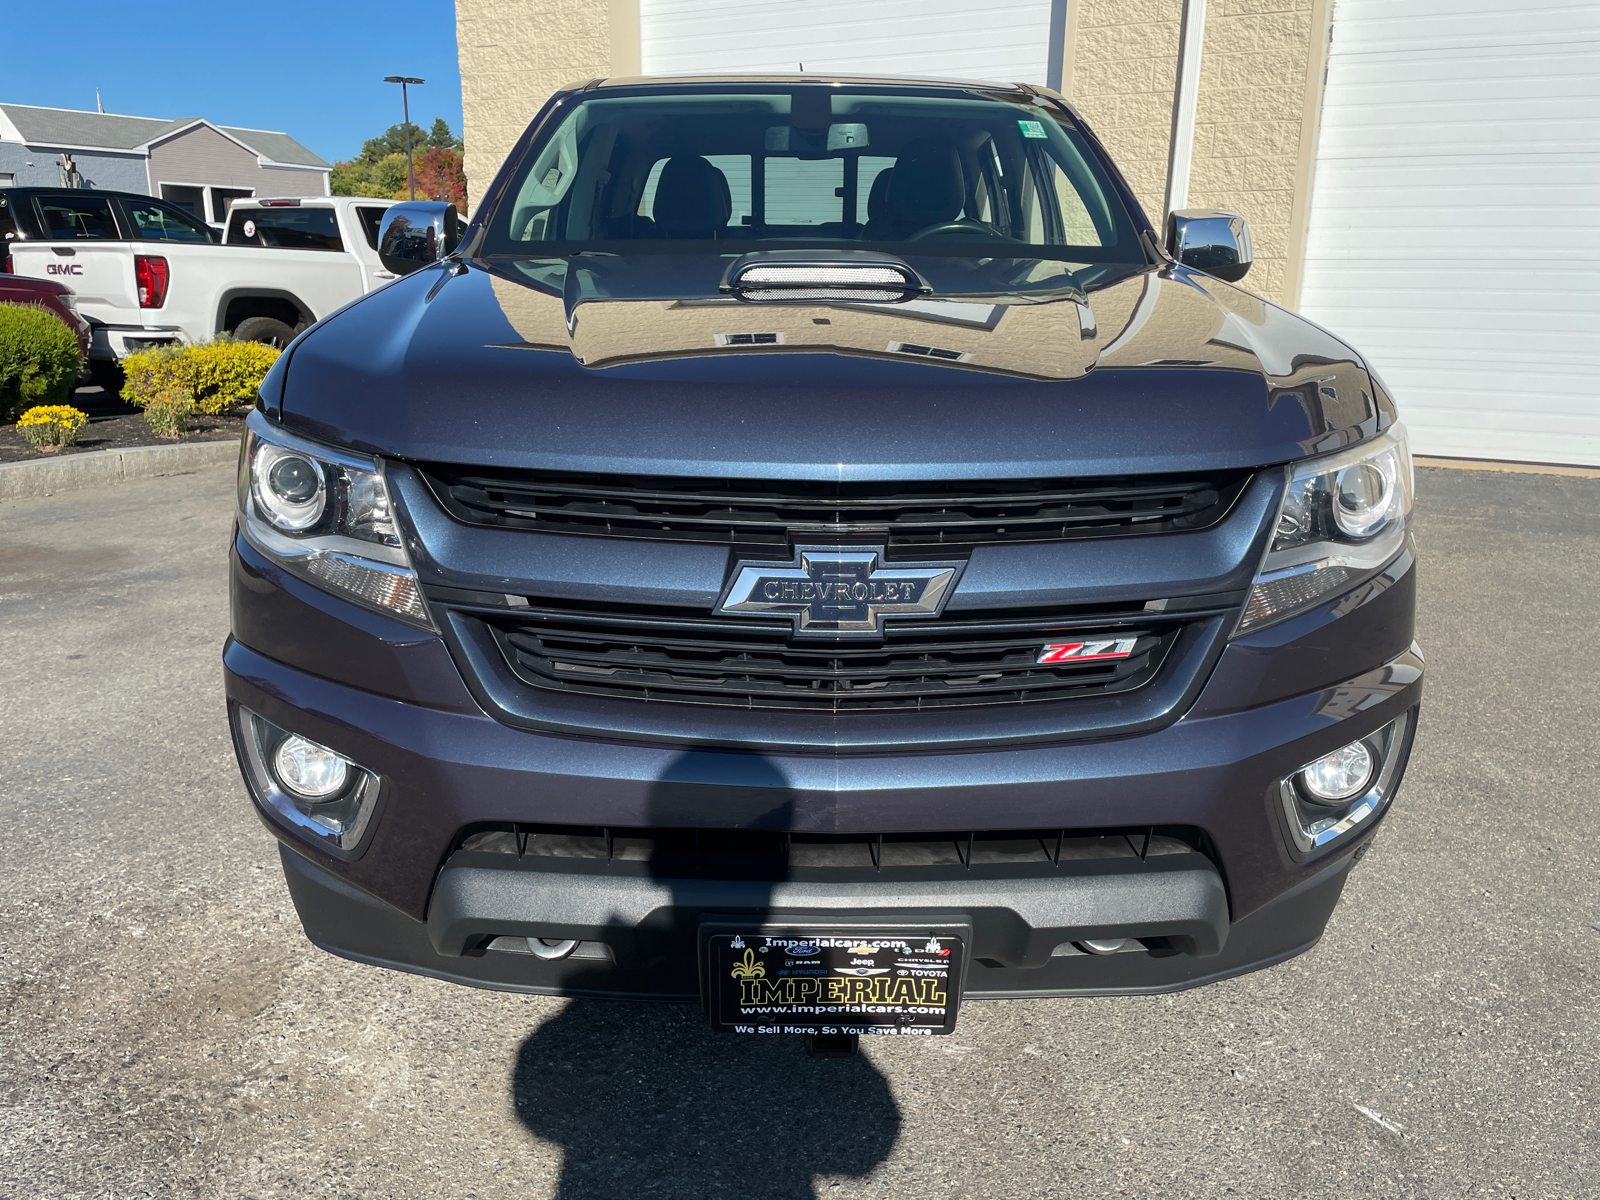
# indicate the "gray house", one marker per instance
pixel 200 166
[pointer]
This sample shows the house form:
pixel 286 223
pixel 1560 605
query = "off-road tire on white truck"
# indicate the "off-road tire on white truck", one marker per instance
pixel 268 330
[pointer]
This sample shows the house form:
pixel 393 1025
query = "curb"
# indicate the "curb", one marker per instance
pixel 44 477
pixel 1517 468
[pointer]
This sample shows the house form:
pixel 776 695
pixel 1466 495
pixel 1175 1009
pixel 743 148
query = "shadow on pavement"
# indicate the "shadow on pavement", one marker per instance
pixel 645 1100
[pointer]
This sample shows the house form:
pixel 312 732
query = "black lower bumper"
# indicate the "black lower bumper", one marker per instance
pixel 636 935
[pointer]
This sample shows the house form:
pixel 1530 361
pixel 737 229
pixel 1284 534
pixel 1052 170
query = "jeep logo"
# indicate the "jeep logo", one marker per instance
pixel 64 269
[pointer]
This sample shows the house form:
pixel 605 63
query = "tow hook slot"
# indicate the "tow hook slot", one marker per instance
pixel 551 948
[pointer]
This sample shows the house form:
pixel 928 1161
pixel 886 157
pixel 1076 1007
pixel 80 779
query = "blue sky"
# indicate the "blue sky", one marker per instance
pixel 313 70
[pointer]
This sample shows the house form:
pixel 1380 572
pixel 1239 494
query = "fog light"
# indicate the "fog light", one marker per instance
pixel 308 769
pixel 1331 798
pixel 1337 777
pixel 321 795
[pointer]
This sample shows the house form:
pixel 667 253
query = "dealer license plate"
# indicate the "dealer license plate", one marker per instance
pixel 834 983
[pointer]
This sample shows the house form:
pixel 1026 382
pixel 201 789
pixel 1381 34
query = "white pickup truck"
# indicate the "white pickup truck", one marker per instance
pixel 146 273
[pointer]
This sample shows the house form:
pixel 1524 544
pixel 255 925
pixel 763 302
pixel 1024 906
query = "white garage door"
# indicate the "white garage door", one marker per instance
pixel 1455 220
pixel 1004 41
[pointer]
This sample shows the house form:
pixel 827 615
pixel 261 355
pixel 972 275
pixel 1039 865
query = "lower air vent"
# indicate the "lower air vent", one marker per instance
pixel 927 352
pixel 747 339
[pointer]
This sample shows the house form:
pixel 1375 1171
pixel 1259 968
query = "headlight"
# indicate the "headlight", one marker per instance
pixel 1343 518
pixel 324 515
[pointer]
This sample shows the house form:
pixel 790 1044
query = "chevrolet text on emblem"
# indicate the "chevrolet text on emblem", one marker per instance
pixel 839 591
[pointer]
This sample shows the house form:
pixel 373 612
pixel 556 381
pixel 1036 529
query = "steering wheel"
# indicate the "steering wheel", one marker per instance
pixel 965 229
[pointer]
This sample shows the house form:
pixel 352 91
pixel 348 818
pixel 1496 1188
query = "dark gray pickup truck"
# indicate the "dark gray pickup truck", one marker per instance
pixel 812 548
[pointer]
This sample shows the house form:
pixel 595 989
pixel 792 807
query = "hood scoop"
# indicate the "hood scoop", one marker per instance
pixel 763 278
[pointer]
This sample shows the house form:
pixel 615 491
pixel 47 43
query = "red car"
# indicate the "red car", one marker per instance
pixel 56 297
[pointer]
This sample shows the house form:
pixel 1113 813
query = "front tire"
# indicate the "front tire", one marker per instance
pixel 267 330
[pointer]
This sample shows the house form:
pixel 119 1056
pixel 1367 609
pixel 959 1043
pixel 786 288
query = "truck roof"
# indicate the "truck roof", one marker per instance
pixel 817 80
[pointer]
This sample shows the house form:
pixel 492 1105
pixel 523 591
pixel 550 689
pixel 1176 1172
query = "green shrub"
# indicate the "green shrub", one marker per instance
pixel 38 359
pixel 52 426
pixel 167 413
pixel 217 375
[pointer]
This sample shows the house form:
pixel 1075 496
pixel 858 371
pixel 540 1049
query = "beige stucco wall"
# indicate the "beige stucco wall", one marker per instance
pixel 515 53
pixel 1124 65
pixel 1251 150
pixel 1247 143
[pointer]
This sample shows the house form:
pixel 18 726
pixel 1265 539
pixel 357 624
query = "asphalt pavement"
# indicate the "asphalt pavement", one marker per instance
pixel 167 1030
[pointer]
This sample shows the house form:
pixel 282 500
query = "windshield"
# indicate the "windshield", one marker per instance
pixel 910 171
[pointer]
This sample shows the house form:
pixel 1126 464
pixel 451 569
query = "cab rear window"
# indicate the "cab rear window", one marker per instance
pixel 78 218
pixel 284 228
pixel 159 223
pixel 371 222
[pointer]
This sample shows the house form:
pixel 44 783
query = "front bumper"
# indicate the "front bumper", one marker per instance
pixel 410 898
pixel 646 949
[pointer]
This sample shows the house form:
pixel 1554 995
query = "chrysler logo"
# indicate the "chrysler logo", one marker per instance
pixel 839 591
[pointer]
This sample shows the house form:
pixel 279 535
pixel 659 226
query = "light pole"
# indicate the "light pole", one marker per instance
pixel 405 105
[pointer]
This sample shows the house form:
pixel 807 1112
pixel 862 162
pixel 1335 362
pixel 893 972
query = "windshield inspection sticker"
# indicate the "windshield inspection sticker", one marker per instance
pixel 842 984
pixel 1033 129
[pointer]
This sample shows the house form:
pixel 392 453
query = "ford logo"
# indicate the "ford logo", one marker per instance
pixel 800 950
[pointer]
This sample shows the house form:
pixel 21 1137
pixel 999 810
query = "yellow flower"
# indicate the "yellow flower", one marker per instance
pixel 52 424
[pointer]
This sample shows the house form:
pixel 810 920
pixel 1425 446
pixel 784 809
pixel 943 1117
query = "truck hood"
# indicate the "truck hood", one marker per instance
pixel 642 365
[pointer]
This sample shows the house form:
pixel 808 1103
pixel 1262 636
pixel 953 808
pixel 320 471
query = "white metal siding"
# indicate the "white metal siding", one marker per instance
pixel 1005 41
pixel 1455 219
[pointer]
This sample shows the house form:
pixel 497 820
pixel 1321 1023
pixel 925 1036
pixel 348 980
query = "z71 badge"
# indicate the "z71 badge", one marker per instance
pixel 1076 652
pixel 838 591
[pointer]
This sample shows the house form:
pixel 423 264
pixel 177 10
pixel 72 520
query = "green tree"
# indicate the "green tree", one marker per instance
pixel 440 137
pixel 393 141
pixel 380 168
pixel 359 177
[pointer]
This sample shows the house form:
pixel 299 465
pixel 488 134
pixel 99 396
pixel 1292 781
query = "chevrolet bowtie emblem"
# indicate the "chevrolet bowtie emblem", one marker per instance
pixel 839 591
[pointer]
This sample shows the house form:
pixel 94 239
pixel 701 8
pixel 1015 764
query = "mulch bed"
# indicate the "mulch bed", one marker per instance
pixel 115 425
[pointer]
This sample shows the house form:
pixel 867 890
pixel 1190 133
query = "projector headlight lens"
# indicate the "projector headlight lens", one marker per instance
pixel 309 770
pixel 1342 520
pixel 290 488
pixel 325 515
pixel 1361 497
pixel 1336 777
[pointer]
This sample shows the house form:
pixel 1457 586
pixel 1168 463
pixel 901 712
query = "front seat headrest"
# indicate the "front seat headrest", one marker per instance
pixel 878 197
pixel 692 198
pixel 927 186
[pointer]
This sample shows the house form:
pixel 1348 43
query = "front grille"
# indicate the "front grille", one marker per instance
pixel 905 516
pixel 755 664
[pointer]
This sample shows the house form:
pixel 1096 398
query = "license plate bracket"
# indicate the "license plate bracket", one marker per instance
pixel 833 976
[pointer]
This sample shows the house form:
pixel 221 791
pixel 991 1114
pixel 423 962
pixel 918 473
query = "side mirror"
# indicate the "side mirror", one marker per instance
pixel 1210 240
pixel 417 233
